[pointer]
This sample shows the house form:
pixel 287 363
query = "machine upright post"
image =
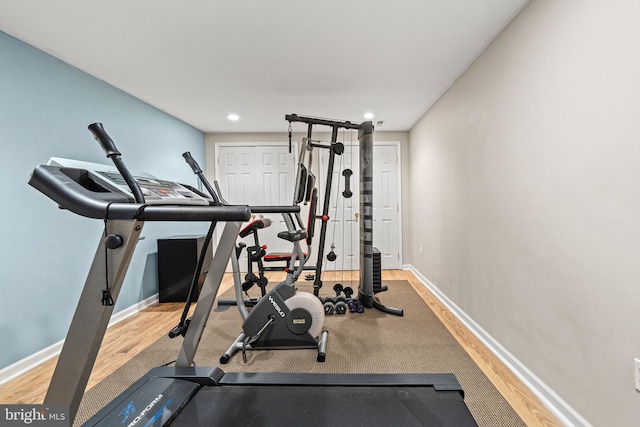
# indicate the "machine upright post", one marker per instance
pixel 365 288
pixel 366 293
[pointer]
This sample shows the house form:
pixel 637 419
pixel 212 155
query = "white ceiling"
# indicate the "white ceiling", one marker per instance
pixel 201 60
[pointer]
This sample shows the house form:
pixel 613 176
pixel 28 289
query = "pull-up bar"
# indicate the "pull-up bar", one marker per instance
pixel 324 122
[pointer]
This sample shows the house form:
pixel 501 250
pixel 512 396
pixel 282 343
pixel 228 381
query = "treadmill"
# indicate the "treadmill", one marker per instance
pixel 188 395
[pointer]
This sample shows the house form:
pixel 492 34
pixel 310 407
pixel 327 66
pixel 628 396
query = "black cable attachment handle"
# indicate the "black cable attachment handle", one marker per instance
pixel 347 183
pixel 112 152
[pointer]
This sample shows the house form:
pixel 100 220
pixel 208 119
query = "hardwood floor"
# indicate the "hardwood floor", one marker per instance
pixel 521 399
pixel 129 337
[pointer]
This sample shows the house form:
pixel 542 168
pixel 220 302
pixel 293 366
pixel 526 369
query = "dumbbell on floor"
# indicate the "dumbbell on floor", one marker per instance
pixel 329 306
pixel 337 305
pixel 355 306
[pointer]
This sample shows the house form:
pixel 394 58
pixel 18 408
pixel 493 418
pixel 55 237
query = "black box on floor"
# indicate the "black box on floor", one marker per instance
pixel 177 260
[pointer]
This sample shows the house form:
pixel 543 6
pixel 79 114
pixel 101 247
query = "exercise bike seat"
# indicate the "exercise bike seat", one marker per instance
pixel 293 236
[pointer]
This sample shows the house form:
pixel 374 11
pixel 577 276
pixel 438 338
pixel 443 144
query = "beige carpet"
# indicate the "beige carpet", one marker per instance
pixel 371 342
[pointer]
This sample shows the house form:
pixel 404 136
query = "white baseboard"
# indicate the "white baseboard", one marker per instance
pixel 30 362
pixel 565 413
pixel 133 309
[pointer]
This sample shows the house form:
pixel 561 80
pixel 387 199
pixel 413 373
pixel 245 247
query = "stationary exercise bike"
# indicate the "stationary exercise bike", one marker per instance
pixel 282 318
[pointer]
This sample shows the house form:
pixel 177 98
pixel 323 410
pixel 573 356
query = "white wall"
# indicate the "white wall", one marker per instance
pixel 526 198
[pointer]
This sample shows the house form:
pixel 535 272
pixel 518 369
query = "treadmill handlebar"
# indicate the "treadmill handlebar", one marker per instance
pixel 274 209
pixel 191 162
pixel 195 167
pixel 74 190
pixel 104 140
pixel 194 213
pixel 112 152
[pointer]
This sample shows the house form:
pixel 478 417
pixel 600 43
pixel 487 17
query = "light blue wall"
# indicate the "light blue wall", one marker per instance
pixel 45 108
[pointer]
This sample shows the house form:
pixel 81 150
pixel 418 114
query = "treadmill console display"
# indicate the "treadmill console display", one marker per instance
pixel 155 191
pixel 158 191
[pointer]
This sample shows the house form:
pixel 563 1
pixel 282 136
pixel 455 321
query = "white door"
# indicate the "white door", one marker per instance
pixel 344 227
pixel 386 205
pixel 258 175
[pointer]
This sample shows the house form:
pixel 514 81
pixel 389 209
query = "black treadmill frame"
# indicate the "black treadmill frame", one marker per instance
pixel 393 386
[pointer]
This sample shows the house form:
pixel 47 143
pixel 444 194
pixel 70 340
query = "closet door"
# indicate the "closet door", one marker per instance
pixel 343 230
pixel 259 175
pixel 387 231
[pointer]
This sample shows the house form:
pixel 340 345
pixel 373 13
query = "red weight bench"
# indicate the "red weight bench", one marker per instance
pixel 295 236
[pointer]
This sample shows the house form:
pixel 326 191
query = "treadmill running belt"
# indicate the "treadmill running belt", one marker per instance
pixel 364 406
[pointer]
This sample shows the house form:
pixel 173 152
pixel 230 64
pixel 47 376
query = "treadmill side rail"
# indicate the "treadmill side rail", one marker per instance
pixel 437 381
pixel 91 317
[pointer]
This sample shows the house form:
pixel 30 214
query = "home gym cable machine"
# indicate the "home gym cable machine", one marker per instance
pixel 335 149
pixel 366 292
pixel 189 395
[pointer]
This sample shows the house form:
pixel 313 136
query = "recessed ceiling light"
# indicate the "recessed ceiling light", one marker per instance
pixel 368 116
pixel 233 117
